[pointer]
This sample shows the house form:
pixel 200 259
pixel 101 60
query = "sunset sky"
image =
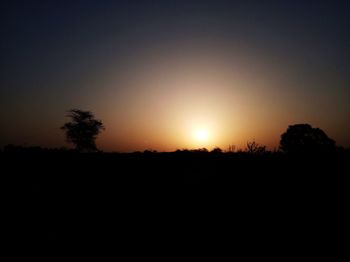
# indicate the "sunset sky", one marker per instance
pixel 167 75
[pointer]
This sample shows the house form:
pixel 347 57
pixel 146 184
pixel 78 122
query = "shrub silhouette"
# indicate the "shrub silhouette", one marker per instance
pixel 303 138
pixel 255 148
pixel 83 129
pixel 216 150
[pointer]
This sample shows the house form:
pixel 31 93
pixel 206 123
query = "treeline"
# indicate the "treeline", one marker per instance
pixel 252 148
pixel 83 129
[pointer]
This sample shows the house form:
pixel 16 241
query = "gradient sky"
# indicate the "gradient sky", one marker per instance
pixel 157 73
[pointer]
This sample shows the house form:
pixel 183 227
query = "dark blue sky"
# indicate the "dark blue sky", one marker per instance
pixel 58 54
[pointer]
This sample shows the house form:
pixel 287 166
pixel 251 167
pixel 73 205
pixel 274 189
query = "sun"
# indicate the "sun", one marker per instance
pixel 201 135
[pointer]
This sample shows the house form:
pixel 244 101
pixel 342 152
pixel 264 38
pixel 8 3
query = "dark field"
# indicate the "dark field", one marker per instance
pixel 63 197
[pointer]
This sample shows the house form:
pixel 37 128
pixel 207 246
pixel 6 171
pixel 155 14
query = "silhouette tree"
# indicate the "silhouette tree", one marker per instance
pixel 255 148
pixel 303 138
pixel 83 129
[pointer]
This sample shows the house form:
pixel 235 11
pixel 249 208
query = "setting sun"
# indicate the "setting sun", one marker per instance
pixel 183 75
pixel 201 135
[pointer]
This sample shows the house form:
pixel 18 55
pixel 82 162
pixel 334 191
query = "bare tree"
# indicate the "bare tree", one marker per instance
pixel 255 148
pixel 231 148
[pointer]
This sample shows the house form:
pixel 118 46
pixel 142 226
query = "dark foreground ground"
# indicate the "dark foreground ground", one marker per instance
pixel 187 198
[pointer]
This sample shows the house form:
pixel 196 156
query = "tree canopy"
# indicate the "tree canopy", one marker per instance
pixel 303 138
pixel 82 130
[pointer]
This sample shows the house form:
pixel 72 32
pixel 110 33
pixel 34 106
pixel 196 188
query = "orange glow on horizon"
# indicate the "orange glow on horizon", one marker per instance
pixel 197 99
pixel 183 102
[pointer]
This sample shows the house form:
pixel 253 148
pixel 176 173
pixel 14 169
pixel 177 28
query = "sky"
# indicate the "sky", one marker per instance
pixel 167 75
